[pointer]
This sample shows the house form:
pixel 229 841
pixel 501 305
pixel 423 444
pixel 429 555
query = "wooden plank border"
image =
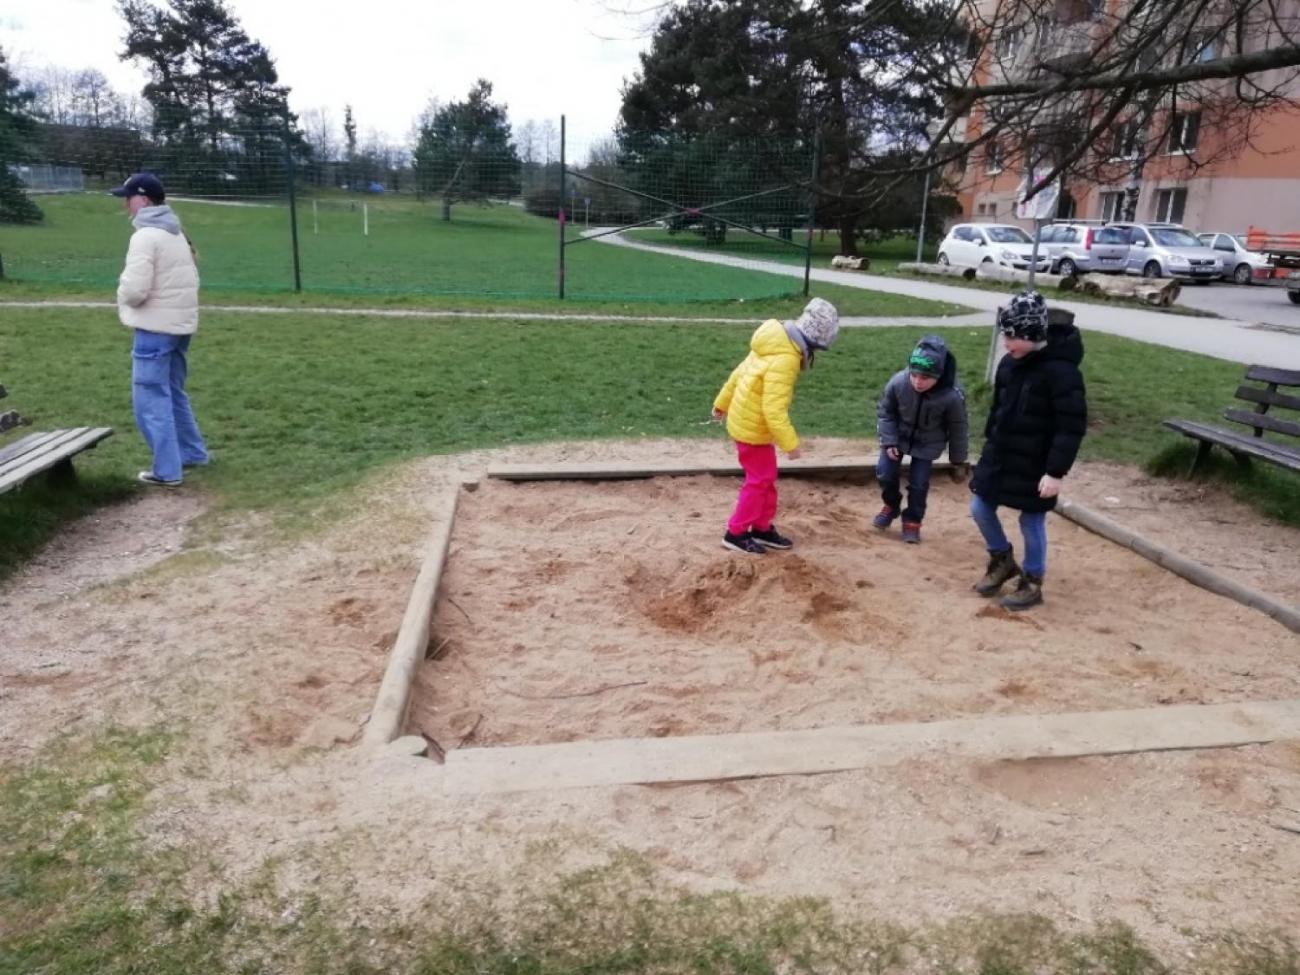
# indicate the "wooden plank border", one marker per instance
pixel 623 471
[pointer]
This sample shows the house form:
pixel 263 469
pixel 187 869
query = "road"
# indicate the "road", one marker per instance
pixel 1247 303
pixel 1232 339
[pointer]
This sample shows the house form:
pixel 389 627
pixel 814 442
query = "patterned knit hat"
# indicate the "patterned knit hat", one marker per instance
pixel 924 361
pixel 1024 318
pixel 819 323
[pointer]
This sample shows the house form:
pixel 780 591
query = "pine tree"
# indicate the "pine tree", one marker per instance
pixel 17 129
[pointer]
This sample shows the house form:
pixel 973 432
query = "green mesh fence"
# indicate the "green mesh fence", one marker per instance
pixel 472 224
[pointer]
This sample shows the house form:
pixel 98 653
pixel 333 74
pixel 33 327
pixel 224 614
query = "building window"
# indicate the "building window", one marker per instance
pixel 993 158
pixel 1170 205
pixel 1200 46
pixel 1008 41
pixel 1124 141
pixel 1112 206
pixel 1184 131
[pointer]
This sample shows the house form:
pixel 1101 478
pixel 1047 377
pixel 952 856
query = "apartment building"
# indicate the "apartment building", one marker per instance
pixel 1236 186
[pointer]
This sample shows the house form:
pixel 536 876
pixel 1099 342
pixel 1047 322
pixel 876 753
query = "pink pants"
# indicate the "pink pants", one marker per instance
pixel 756 506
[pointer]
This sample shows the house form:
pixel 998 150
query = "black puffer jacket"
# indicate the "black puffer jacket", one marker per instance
pixel 1037 422
pixel 921 425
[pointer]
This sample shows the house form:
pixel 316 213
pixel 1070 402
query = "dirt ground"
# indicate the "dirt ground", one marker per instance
pixel 268 653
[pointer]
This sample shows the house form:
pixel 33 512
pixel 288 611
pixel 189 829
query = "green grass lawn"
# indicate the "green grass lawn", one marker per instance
pixel 297 408
pixel 497 255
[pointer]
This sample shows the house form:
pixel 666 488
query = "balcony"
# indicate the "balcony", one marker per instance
pixel 1053 47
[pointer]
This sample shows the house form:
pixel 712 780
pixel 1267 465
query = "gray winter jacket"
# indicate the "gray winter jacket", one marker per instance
pixel 920 425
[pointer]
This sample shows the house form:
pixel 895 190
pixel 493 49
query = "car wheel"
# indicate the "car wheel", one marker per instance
pixel 943 258
pixel 1068 268
pixel 1152 270
pixel 1294 296
pixel 1242 275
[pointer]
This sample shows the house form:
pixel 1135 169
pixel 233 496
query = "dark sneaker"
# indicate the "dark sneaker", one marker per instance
pixel 1002 566
pixel 742 543
pixel 885 518
pixel 1028 593
pixel 149 477
pixel 771 538
pixel 912 532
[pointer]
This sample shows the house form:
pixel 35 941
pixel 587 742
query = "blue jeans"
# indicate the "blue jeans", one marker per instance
pixel 888 473
pixel 162 408
pixel 1033 526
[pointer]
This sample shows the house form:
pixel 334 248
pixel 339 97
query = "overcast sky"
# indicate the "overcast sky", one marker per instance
pixel 385 57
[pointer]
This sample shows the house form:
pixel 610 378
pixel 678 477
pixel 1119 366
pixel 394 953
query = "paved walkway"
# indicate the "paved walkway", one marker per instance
pixel 853 321
pixel 1222 338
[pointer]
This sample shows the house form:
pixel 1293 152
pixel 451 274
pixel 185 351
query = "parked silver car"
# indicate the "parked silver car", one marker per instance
pixel 1239 263
pixel 1160 250
pixel 1078 246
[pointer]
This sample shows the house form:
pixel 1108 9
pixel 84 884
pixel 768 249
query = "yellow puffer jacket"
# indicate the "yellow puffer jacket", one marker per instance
pixel 757 397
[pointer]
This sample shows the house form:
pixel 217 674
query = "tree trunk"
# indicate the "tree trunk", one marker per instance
pixel 446 208
pixel 1011 275
pixel 848 236
pixel 939 270
pixel 1162 294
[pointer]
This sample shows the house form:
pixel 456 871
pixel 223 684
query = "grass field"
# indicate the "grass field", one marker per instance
pixel 298 407
pixel 496 253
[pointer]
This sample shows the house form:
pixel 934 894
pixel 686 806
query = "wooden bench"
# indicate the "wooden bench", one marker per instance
pixel 40 452
pixel 1283 453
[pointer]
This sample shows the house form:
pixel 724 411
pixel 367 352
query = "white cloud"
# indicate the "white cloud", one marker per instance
pixel 385 57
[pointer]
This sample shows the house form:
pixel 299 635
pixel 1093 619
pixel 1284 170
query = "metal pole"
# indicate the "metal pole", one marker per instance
pixel 1033 258
pixel 365 220
pixel 920 233
pixel 293 207
pixel 315 218
pixel 560 203
pixel 812 211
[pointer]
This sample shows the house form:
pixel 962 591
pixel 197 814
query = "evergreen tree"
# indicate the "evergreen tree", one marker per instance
pixel 465 153
pixel 17 129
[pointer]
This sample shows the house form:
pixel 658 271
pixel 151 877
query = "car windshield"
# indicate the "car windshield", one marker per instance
pixel 1241 239
pixel 1174 238
pixel 1008 235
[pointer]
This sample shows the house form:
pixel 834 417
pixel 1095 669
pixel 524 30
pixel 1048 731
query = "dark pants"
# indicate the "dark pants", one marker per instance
pixel 888 473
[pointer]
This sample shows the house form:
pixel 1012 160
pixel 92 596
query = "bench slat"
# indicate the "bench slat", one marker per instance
pixel 1263 421
pixel 1267 374
pixel 1253 394
pixel 65 444
pixel 1274 453
pixel 25 444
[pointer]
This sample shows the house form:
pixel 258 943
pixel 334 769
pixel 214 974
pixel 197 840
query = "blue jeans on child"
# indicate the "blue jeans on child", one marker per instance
pixel 888 473
pixel 1033 525
pixel 162 408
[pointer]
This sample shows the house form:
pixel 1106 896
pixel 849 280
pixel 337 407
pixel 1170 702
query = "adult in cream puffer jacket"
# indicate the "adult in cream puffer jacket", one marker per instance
pixel 159 287
pixel 158 299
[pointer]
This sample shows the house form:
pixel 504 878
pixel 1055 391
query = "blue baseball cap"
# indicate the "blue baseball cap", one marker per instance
pixel 142 184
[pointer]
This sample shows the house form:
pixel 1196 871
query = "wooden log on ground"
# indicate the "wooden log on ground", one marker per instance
pixel 1193 572
pixel 1155 292
pixel 844 263
pixel 1011 275
pixel 938 270
pixel 388 715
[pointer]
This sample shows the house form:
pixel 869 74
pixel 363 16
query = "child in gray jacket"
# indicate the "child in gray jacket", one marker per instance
pixel 922 411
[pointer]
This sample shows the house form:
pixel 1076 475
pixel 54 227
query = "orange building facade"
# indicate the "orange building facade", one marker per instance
pixel 1198 171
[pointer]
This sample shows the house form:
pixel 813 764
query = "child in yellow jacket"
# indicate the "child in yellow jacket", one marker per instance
pixel 756 403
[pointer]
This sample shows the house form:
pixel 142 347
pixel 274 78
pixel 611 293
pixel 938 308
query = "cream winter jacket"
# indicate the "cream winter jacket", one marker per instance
pixel 159 287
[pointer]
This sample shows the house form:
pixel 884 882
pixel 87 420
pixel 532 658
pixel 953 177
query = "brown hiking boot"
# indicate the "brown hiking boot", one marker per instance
pixel 1028 593
pixel 1002 566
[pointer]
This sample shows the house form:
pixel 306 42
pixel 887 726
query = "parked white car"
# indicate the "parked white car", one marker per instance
pixel 1239 263
pixel 973 244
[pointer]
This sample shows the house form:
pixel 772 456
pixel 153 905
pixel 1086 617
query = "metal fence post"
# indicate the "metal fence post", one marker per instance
pixel 812 210
pixel 293 206
pixel 560 204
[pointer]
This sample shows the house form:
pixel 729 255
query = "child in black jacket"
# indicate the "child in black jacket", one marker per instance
pixel 1037 421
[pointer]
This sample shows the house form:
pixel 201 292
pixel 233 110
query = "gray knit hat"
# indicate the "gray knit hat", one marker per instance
pixel 819 323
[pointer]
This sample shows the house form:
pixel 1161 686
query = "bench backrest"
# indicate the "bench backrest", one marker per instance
pixel 1269 398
